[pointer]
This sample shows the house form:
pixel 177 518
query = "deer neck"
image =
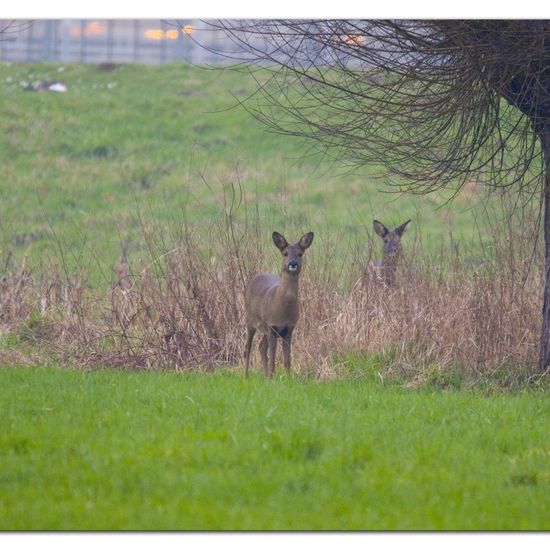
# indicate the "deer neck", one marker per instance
pixel 285 308
pixel 389 266
pixel 288 287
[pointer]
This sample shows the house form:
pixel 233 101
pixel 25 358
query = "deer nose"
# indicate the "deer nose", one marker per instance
pixel 293 265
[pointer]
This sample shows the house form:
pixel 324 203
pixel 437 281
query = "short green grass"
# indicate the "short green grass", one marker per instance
pixel 155 451
pixel 79 166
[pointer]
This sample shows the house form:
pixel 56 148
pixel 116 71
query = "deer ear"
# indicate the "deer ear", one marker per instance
pixel 306 240
pixel 279 240
pixel 402 228
pixel 380 228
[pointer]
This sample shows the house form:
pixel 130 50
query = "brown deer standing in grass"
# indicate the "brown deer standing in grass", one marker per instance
pixel 272 305
pixel 390 252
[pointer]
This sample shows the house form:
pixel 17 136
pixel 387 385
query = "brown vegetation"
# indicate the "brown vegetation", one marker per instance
pixel 183 309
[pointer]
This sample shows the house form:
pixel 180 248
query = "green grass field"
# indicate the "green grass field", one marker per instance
pixel 118 450
pixel 80 166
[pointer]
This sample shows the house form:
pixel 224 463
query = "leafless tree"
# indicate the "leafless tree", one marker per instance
pixel 434 102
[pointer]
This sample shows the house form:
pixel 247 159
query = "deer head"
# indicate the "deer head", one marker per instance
pixel 292 253
pixel 391 249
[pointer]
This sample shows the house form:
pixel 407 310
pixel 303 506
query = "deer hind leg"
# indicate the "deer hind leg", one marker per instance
pixel 263 354
pixel 272 349
pixel 287 343
pixel 250 331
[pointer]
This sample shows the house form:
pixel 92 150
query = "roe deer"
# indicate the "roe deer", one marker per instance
pixel 390 252
pixel 272 305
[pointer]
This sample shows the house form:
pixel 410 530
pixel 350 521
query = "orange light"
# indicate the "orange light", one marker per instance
pixel 93 27
pixel 154 34
pixel 159 34
pixel 188 29
pixel 353 39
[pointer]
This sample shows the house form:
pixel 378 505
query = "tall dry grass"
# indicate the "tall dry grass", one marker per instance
pixel 180 306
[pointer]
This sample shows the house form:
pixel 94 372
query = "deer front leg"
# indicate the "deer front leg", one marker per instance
pixel 272 349
pixel 263 353
pixel 249 337
pixel 287 343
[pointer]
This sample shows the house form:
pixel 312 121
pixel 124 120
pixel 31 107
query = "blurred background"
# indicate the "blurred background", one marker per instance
pixel 104 40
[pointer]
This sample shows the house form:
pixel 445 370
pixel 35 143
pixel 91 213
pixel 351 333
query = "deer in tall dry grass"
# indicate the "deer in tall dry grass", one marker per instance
pixel 272 305
pixel 391 251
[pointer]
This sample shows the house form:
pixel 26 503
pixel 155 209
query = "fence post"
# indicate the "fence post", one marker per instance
pixel 163 42
pixel 49 40
pixel 136 41
pixel 82 41
pixel 110 24
pixel 65 40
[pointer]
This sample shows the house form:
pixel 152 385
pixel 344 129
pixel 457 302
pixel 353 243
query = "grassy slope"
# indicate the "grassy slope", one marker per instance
pixel 79 164
pixel 112 450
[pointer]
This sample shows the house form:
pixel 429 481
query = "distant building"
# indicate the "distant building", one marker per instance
pixel 110 40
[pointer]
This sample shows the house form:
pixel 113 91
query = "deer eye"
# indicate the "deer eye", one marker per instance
pixel 299 254
pixel 285 253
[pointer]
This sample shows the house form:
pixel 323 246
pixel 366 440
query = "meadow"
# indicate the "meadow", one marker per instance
pixel 118 450
pixel 133 208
